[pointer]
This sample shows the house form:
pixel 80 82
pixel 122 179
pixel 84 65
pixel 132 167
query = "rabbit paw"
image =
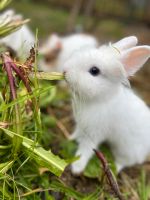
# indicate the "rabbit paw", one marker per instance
pixel 119 167
pixel 77 167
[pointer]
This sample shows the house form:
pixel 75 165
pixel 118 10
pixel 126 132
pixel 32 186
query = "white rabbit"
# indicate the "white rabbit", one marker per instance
pixel 58 49
pixel 105 108
pixel 22 39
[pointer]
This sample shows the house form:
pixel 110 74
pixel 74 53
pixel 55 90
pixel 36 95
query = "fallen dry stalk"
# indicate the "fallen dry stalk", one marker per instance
pixel 59 124
pixel 111 180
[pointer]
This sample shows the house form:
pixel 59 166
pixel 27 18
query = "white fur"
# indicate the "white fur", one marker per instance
pixel 69 44
pixel 21 40
pixel 104 108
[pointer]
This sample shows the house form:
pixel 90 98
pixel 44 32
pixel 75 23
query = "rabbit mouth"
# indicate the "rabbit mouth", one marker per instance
pixel 67 79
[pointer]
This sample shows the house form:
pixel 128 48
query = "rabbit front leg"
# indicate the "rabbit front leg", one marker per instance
pixel 85 151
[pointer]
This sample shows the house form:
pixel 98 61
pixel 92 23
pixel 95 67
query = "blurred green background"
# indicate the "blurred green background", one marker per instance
pixel 108 20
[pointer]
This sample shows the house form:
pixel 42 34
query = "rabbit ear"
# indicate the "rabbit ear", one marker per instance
pixel 55 41
pixel 54 36
pixel 133 59
pixel 126 43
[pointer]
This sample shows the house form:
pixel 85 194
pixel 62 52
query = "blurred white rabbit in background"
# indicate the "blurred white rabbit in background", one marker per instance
pixel 22 39
pixel 56 50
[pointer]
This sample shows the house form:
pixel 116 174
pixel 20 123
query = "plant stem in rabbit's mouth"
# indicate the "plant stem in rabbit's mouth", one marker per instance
pixel 48 75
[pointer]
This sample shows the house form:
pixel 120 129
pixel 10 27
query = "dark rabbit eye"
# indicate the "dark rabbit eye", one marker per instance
pixel 94 71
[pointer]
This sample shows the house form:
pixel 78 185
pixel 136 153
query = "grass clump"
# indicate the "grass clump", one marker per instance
pixel 20 124
pixel 21 128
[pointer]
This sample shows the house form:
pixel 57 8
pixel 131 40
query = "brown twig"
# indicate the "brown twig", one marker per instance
pixel 7 67
pixel 59 124
pixel 62 128
pixel 111 180
pixel 22 77
pixel 9 62
pixel 21 73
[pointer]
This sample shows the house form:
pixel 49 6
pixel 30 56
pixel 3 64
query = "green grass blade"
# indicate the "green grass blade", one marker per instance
pixel 4 193
pixel 70 192
pixel 143 187
pixel 46 158
pixel 95 195
pixel 8 28
pixel 36 93
pixel 4 167
pixel 4 3
pixel 48 76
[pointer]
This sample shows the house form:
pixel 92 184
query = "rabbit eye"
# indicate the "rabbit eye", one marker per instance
pixel 94 71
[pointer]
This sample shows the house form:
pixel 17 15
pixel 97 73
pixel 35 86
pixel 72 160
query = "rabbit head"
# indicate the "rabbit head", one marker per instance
pixel 50 51
pixel 100 72
pixel 52 44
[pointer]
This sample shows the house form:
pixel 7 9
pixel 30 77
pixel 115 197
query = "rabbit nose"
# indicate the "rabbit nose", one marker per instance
pixel 64 73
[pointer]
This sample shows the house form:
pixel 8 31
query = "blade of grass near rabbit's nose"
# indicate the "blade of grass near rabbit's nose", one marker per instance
pixel 47 75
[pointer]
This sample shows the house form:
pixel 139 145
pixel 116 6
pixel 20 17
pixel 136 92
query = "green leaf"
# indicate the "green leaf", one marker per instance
pixel 68 148
pixel 4 192
pixel 45 158
pixel 70 192
pixel 4 167
pixel 143 187
pixel 95 195
pixel 46 99
pixel 93 169
pixel 3 147
pixel 4 3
